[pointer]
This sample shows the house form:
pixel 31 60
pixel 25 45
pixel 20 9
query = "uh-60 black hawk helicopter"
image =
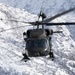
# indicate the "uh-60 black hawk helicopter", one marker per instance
pixel 38 41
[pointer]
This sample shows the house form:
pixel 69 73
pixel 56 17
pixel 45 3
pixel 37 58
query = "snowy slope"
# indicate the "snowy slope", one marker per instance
pixel 11 47
pixel 50 7
pixel 34 6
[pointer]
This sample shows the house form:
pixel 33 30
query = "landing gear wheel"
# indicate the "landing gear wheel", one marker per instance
pixel 26 58
pixel 51 55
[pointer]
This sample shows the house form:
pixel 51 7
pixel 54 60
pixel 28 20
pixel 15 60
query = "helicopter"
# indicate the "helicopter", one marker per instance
pixel 39 41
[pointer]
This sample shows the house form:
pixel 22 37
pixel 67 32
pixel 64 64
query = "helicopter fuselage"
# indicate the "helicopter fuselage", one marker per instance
pixel 37 42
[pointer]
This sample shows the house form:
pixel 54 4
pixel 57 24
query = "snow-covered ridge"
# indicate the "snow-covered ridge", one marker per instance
pixel 11 47
pixel 9 13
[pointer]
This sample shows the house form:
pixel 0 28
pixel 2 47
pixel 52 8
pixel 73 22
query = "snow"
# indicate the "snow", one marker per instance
pixel 11 41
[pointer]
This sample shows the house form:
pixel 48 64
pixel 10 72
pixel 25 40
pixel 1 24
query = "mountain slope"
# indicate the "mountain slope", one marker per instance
pixel 34 6
pixel 11 47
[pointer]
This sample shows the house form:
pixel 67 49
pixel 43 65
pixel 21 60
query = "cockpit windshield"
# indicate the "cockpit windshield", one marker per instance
pixel 35 43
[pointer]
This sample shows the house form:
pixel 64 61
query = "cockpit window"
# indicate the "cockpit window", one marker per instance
pixel 41 43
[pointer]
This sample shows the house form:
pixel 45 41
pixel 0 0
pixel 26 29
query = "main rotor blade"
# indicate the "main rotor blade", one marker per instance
pixel 17 21
pixel 58 15
pixel 15 28
pixel 62 23
pixel 53 24
pixel 32 23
